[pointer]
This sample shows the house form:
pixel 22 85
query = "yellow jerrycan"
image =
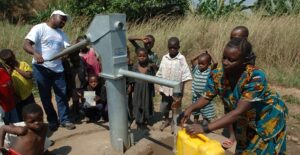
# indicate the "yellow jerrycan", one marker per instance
pixel 197 145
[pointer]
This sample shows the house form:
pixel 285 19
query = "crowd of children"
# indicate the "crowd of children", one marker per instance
pixel 88 91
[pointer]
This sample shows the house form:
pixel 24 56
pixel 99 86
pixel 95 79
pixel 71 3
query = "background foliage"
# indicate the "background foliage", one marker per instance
pixel 273 24
pixel 36 11
pixel 135 10
pixel 216 8
pixel 278 7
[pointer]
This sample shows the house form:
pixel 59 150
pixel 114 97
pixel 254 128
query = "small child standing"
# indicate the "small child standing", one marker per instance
pixel 21 74
pixel 31 137
pixel 239 32
pixel 148 42
pixel 93 64
pixel 173 67
pixel 243 33
pixel 201 71
pixel 143 91
pixel 100 109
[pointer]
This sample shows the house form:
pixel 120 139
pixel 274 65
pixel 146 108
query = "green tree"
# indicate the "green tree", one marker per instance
pixel 87 7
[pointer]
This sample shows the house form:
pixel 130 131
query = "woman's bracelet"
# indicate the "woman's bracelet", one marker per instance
pixel 205 128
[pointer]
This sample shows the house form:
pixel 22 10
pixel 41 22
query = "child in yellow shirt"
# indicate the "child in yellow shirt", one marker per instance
pixel 21 74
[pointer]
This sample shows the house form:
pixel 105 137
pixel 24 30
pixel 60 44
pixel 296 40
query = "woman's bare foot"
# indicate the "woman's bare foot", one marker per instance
pixel 227 144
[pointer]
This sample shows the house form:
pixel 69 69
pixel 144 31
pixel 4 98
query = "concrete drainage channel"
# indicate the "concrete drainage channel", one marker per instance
pixel 153 142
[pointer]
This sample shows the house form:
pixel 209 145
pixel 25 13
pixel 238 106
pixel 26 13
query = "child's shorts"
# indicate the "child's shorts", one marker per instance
pixel 166 103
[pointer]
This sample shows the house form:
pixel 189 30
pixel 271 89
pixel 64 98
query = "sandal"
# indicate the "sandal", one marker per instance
pixel 227 144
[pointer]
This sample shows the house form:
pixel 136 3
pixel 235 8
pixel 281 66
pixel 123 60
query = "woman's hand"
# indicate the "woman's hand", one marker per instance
pixel 194 129
pixel 199 104
pixel 186 116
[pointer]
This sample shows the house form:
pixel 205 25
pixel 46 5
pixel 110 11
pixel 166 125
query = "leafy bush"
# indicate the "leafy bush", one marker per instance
pixel 279 7
pixel 216 8
pixel 145 9
pixel 135 10
pixel 44 14
pixel 87 7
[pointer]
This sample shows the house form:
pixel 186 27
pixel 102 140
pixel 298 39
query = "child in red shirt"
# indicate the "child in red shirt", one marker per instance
pixel 6 97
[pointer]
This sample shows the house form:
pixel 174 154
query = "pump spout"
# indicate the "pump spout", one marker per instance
pixel 70 49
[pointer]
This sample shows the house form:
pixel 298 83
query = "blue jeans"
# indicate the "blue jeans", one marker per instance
pixel 47 79
pixel 11 116
pixel 21 104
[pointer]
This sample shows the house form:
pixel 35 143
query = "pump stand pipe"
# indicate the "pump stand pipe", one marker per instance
pixel 169 83
pixel 70 49
pixel 161 81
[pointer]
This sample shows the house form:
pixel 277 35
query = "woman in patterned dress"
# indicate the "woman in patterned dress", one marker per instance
pixel 257 113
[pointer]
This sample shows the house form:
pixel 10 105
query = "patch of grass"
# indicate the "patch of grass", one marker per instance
pixel 297 117
pixel 275 39
pixel 283 76
pixel 12 37
pixel 291 99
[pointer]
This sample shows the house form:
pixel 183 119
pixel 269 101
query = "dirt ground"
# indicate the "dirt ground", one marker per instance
pixel 93 138
pixel 293 121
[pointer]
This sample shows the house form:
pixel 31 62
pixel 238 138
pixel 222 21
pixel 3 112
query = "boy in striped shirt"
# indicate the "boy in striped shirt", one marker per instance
pixel 200 71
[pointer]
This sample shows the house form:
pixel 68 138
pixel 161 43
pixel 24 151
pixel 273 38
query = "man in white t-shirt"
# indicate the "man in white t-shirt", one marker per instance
pixel 43 41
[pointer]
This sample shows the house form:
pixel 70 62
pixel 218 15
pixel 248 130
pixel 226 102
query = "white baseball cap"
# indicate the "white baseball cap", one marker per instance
pixel 59 12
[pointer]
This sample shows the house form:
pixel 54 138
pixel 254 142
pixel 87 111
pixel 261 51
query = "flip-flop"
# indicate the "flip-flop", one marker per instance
pixel 227 144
